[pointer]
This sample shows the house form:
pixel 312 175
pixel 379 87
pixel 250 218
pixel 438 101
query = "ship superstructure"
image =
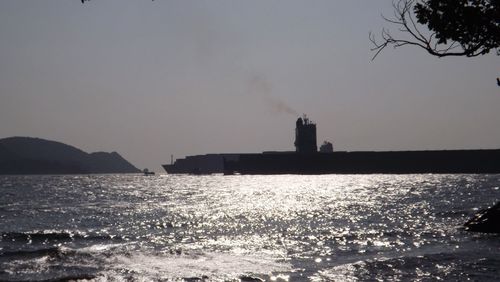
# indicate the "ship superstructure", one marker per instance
pixel 305 136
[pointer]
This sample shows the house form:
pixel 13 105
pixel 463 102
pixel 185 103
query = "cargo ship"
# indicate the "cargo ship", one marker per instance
pixel 307 159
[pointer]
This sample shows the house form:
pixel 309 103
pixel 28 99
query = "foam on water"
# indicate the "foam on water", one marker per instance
pixel 217 266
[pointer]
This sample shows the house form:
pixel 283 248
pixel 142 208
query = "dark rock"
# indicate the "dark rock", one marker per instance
pixel 250 279
pixel 486 221
pixel 196 279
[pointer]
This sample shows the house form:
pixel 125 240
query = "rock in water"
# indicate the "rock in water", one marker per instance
pixel 487 221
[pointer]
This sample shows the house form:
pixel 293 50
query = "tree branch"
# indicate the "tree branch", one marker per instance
pixel 404 18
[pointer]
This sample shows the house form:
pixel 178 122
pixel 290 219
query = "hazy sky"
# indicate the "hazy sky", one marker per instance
pixel 151 79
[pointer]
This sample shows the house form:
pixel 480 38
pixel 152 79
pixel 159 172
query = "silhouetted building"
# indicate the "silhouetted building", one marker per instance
pixel 305 136
pixel 326 147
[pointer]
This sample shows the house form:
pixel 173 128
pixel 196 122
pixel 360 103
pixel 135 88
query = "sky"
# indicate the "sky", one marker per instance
pixel 151 79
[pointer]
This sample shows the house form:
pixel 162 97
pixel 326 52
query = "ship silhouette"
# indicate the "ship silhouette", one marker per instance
pixel 306 159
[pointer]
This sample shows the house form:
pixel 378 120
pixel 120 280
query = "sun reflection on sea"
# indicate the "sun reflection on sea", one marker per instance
pixel 275 228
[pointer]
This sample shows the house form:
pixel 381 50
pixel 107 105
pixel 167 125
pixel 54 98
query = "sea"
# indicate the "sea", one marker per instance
pixel 130 227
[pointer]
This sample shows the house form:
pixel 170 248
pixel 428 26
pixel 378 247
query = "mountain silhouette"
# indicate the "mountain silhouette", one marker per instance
pixel 27 155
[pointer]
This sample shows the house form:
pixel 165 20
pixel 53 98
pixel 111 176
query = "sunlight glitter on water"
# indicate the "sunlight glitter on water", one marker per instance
pixel 279 228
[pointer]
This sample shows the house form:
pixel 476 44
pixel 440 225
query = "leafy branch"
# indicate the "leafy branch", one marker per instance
pixel 441 39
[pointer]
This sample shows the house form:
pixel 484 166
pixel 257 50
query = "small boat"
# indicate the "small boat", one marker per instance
pixel 147 172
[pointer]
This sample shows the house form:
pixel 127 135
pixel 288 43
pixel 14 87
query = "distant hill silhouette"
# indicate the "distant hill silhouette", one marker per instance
pixel 27 155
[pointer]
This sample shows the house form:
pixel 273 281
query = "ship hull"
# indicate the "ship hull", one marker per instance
pixel 403 162
pixel 392 162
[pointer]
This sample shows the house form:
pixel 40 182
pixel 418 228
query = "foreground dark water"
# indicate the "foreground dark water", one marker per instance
pixel 230 228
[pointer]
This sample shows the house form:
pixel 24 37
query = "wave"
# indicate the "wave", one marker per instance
pixel 111 262
pixel 43 236
pixel 63 278
pixel 52 251
pixel 424 266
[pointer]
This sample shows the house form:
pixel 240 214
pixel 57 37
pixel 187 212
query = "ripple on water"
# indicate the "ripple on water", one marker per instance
pixel 286 227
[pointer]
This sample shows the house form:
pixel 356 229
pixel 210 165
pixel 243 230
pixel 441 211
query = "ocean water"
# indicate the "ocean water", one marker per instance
pixel 246 228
